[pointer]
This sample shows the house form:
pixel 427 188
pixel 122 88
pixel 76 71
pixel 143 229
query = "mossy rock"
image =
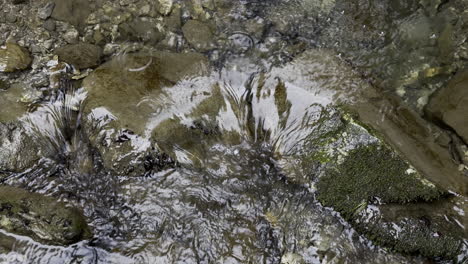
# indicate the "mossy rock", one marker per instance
pixel 372 175
pixel 372 172
pixel 40 217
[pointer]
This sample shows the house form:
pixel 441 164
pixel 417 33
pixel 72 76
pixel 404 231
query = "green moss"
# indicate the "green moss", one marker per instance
pixel 414 237
pixel 374 172
pixel 370 172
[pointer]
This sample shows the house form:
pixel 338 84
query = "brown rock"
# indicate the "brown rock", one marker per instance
pixel 81 55
pixel 13 58
pixel 450 105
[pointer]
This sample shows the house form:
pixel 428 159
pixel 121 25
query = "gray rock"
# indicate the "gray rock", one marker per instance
pixel 198 34
pixel 40 217
pixel 11 17
pixel 49 25
pixel 46 11
pixel 13 58
pixel 81 55
pixel 450 105
pixel 18 150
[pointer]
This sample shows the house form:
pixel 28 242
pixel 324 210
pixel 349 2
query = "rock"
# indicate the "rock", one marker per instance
pixel 10 17
pixel 449 105
pixel 81 55
pixel 126 85
pixel 71 36
pixel 11 100
pixel 74 12
pixel 122 84
pixel 198 34
pixel 49 25
pixel 13 58
pixel 140 30
pixel 164 7
pixel 40 217
pixel 350 160
pixel 46 11
pixel 18 150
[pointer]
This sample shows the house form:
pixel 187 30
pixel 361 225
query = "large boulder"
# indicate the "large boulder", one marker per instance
pixel 449 105
pixel 40 217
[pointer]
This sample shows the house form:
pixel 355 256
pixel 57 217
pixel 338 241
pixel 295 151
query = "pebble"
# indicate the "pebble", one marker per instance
pixel 46 11
pixel 165 7
pixel 11 17
pixel 71 36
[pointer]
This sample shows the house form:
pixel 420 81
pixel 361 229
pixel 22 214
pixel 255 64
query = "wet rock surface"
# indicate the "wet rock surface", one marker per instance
pixel 207 132
pixel 18 151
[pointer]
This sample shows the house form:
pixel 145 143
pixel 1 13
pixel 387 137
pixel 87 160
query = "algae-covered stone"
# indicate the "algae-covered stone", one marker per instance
pixel 369 173
pixel 198 34
pixel 82 55
pixel 40 217
pixel 13 58
pixel 450 105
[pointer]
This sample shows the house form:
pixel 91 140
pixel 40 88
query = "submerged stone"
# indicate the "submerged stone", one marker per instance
pixel 126 84
pixel 123 96
pixel 13 58
pixel 40 217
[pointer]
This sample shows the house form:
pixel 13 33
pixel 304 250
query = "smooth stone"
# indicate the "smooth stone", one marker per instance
pixel 41 217
pixel 81 55
pixel 450 105
pixel 14 57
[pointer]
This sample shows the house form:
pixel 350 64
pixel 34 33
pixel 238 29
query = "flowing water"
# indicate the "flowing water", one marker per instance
pixel 228 193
